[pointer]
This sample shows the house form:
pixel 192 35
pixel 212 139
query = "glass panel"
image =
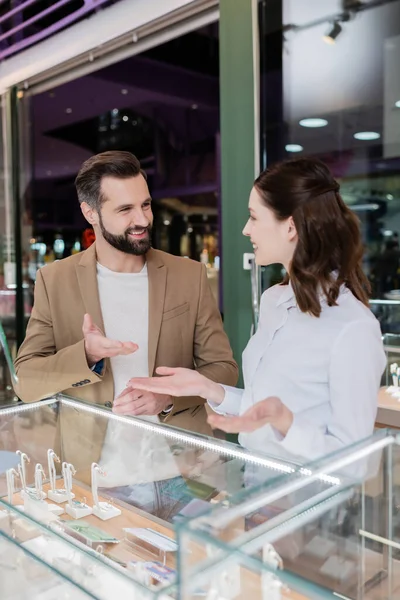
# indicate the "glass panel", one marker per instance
pixel 21 572
pixel 60 558
pixel 331 527
pixel 133 480
pixel 7 293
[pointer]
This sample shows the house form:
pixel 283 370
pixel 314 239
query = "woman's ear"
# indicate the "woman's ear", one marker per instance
pixel 292 231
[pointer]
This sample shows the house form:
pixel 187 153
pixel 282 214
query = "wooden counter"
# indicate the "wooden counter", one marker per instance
pixel 388 410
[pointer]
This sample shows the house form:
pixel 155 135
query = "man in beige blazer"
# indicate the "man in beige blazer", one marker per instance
pixel 88 333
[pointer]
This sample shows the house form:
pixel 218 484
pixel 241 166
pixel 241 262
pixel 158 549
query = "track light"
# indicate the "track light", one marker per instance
pixel 333 33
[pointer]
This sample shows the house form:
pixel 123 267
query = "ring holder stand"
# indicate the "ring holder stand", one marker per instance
pixel 11 474
pixel 24 459
pixel 102 510
pixel 56 495
pixel 75 508
pixel 271 584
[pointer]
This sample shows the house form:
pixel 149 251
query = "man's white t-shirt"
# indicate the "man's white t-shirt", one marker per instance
pixel 130 455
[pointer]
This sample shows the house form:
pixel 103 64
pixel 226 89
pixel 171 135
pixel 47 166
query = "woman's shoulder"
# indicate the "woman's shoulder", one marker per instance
pixel 350 311
pixel 275 293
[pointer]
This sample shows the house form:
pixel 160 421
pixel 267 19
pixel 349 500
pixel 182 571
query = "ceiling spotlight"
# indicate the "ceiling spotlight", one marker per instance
pixel 68 111
pixel 167 222
pixel 365 136
pixel 293 148
pixel 389 196
pixel 125 118
pixel 124 91
pixel 313 122
pixel 333 33
pixel 397 104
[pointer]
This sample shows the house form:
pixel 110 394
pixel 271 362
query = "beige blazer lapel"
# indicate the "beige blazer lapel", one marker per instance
pixel 86 272
pixel 157 273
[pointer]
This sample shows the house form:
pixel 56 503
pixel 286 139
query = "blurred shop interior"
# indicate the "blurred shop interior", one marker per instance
pixel 329 88
pixel 164 107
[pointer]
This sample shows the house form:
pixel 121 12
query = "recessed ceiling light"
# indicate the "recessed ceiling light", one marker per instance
pixel 68 111
pixel 389 196
pixel 124 91
pixel 194 107
pixel 367 135
pixel 125 118
pixel 397 104
pixel 313 122
pixel 293 148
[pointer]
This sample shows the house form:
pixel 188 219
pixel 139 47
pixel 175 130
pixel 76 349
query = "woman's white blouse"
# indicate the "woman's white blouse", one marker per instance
pixel 326 370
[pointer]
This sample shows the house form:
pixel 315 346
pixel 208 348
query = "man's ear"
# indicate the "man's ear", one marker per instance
pixel 292 231
pixel 89 213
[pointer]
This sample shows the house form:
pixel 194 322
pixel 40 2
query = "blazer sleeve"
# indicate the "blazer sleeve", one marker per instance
pixel 212 353
pixel 41 370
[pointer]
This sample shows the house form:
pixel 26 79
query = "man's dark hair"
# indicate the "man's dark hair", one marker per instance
pixel 115 163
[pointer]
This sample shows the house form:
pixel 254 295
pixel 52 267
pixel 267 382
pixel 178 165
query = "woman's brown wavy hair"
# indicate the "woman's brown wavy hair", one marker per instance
pixel 329 249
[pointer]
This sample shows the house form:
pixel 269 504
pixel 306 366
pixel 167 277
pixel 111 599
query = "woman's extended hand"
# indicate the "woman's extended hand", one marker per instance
pixel 178 382
pixel 271 410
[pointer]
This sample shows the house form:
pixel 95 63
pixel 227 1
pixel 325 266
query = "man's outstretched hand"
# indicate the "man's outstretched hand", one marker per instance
pixel 97 346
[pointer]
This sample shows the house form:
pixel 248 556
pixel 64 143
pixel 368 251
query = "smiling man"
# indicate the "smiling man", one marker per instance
pixel 121 309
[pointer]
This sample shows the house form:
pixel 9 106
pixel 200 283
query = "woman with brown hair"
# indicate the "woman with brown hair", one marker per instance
pixel 312 370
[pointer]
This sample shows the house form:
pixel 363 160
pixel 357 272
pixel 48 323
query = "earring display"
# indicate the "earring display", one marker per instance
pixel 271 584
pixel 11 475
pixel 102 510
pixel 226 585
pixel 394 389
pixel 75 508
pixel 24 460
pixel 56 495
pixel 39 476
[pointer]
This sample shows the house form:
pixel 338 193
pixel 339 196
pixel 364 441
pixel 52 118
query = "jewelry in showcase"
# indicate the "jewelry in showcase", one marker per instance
pixel 102 510
pixel 394 389
pixel 11 474
pixel 225 585
pixel 74 508
pixel 34 498
pixel 56 495
pixel 39 475
pixel 24 460
pixel 271 584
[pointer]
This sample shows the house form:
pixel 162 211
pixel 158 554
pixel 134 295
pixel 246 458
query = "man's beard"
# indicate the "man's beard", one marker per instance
pixel 126 244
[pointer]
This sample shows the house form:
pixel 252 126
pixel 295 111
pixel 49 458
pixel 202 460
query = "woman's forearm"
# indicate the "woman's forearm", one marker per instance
pixel 214 392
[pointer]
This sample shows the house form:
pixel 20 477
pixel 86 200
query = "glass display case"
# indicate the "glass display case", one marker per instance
pixel 42 562
pixel 332 529
pixel 95 497
pixel 389 393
